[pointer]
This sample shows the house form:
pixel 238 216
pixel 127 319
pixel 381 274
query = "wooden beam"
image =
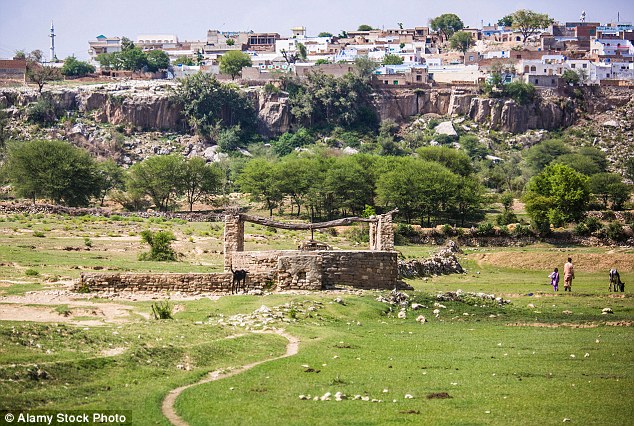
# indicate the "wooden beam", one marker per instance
pixel 319 225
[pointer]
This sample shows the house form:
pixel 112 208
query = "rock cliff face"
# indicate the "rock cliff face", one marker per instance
pixel 499 114
pixel 147 105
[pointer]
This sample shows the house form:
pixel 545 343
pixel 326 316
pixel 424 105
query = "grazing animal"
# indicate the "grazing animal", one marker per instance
pixel 615 281
pixel 239 276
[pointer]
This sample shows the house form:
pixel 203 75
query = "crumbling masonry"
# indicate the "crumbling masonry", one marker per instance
pixel 376 268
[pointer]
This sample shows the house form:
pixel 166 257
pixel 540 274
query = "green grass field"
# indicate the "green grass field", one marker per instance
pixel 540 359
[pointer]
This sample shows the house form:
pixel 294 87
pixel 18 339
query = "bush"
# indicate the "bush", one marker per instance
pixel 44 111
pixel 485 229
pixel 615 232
pixel 593 224
pixel 522 231
pixel 160 243
pixel 521 92
pixel 358 234
pixel 162 310
pixel 505 218
pixel 581 229
pixel 31 273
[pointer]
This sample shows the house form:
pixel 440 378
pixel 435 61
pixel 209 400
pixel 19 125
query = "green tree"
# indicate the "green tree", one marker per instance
pixel 74 67
pixel 208 105
pixel 184 60
pixel 110 176
pixel 261 181
pixel 365 67
pixel 52 169
pixel 233 61
pixel 571 77
pixel 41 74
pixel 159 177
pixel 456 161
pixel 296 176
pixel 324 34
pixel 506 21
pixel 540 155
pixel 302 52
pixel 365 27
pixel 160 246
pixel 558 192
pixel 230 139
pixel 322 99
pixel 132 58
pixel 349 185
pixel 289 141
pixel 157 60
pixel 447 24
pixel 418 188
pixel 580 163
pixel 528 22
pixel 522 93
pixel 200 180
pixel 461 41
pixel 322 62
pixel 391 59
pixel 609 187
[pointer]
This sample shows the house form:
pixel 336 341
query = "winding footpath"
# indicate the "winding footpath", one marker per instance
pixel 168 408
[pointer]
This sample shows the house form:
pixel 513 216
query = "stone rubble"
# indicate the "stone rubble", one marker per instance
pixel 442 262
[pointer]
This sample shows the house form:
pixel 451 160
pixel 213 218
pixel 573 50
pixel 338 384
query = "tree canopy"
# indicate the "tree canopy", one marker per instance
pixel 558 193
pixel 74 67
pixel 210 105
pixel 233 61
pixel 365 27
pixel 528 22
pixel 52 169
pixel 392 59
pixel 447 24
pixel 461 41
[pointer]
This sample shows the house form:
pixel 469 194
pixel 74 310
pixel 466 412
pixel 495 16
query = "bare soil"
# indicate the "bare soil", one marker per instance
pixel 590 262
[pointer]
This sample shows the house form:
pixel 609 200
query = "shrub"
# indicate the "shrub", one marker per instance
pixel 615 232
pixel 160 243
pixel 43 111
pixel 358 234
pixel 522 231
pixel 485 229
pixel 162 310
pixel 521 92
pixel 593 224
pixel 87 242
pixel 581 229
pixel 31 273
pixel 39 234
pixel 505 218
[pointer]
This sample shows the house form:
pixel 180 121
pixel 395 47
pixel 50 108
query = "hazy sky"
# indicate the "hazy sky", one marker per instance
pixel 25 24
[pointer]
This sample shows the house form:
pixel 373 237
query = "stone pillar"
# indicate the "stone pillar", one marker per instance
pixel 385 233
pixel 373 229
pixel 233 238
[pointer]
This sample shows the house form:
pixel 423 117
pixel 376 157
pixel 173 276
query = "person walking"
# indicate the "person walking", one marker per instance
pixel 569 275
pixel 554 279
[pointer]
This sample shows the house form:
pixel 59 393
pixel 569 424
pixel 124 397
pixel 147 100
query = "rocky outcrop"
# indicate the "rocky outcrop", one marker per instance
pixel 148 113
pixel 147 105
pixel 274 115
pixel 499 114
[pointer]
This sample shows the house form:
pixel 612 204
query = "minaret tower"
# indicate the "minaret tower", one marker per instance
pixel 52 36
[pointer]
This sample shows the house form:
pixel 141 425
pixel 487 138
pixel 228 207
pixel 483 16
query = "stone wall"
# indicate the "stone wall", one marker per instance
pixel 362 269
pixel 301 270
pixel 184 283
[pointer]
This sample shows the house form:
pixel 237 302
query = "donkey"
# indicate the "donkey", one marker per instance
pixel 615 281
pixel 239 276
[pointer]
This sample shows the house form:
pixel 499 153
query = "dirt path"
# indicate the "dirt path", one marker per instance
pixel 168 408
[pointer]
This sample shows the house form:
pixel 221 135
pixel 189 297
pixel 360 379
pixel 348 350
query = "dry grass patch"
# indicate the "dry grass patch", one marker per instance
pixel 589 262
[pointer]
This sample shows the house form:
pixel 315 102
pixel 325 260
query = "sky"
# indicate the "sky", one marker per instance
pixel 25 24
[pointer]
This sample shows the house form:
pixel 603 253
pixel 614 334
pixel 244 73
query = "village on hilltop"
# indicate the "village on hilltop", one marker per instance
pixel 443 53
